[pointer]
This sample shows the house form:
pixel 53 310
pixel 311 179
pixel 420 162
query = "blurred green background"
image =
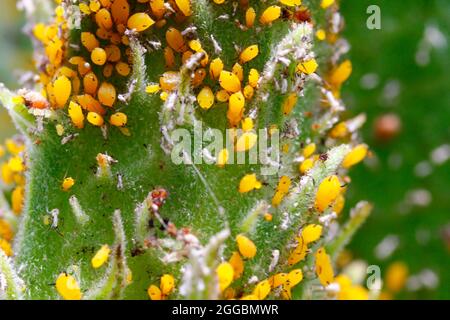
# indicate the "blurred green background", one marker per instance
pixel 402 70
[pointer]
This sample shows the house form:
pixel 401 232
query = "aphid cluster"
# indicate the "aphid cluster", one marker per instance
pixel 82 72
pixel 13 166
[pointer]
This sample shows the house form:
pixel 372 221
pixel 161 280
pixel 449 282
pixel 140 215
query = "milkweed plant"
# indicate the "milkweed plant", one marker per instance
pixel 119 183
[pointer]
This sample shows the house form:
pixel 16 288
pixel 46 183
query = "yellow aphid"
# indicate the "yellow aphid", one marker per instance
pixel 219 1
pixel 215 68
pixel 18 100
pixel 89 41
pixel 100 257
pixel 6 247
pixel 7 174
pixel 140 22
pixel 94 5
pixel 339 204
pixel 229 81
pixel 326 3
pixel 327 192
pixel 17 198
pixel 311 233
pixel 167 284
pixel 250 16
pixel 339 75
pixel 222 157
pixel 152 88
pixel 169 80
pixel 113 53
pixel 6 231
pixel 290 103
pixel 204 62
pixel 246 246
pixel 158 8
pixel 65 71
pixel 253 78
pixel 123 69
pixel 169 57
pixel 309 150
pixel 298 254
pixel 306 165
pixel 195 45
pixel 84 8
pixel 199 76
pixel 262 289
pixel 268 217
pixel 161 23
pixel 186 56
pixel 238 264
pixel 324 269
pixel 68 183
pixel 248 92
pixel 184 6
pixel 355 156
pixel 222 95
pixel 249 183
pixel 118 119
pixel 246 141
pixel 355 292
pixel 103 34
pixel 154 292
pixel 396 276
pixel 249 297
pixel 98 56
pixel 62 89
pixel 103 19
pixel 269 15
pixel 321 34
pixel 225 275
pixel 67 286
pixel 339 131
pixel 284 184
pixel 347 291
pixel 247 124
pixel 238 71
pixel 291 3
pixel 286 293
pixel 205 98
pixel 163 96
pixel 277 198
pixel 120 10
pixel 107 94
pixel 126 41
pixel 76 115
pixel 16 164
pixel 90 83
pixel 95 119
pixel 229 294
pixel 294 277
pixel 278 279
pixel 307 67
pixel 236 108
pixel 236 104
pixel 84 68
pixel 175 40
pixel 249 53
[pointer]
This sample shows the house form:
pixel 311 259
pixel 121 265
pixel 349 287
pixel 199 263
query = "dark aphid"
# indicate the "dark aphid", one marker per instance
pixel 323 157
pixel 302 15
pixel 156 199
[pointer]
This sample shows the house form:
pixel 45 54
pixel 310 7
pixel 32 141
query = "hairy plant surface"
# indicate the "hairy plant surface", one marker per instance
pixel 106 212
